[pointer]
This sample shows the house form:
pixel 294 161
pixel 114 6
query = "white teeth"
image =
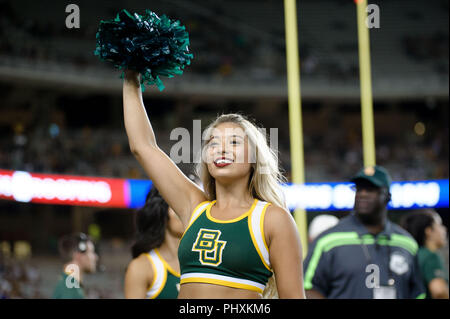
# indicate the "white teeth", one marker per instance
pixel 224 161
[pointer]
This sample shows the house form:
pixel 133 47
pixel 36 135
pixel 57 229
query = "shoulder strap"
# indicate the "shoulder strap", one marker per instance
pixel 256 226
pixel 166 264
pixel 159 275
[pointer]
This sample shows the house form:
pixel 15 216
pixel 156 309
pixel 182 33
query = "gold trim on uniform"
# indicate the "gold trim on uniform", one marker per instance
pixel 210 217
pixel 262 236
pixel 222 281
pixel 166 264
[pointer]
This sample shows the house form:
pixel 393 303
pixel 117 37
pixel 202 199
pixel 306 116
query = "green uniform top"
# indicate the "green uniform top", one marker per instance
pixel 431 267
pixel 68 288
pixel 230 253
pixel 166 281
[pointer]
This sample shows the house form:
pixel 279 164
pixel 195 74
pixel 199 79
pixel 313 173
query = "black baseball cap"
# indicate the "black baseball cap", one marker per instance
pixel 377 175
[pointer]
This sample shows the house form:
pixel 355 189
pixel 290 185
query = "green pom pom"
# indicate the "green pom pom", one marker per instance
pixel 151 45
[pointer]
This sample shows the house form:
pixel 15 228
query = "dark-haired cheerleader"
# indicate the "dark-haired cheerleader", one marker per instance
pixel 154 272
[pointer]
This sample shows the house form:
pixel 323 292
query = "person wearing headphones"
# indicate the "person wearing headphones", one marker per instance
pixel 365 256
pixel 79 257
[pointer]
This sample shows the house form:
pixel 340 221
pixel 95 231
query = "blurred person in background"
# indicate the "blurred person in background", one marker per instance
pixel 154 272
pixel 365 256
pixel 79 257
pixel 319 224
pixel 426 227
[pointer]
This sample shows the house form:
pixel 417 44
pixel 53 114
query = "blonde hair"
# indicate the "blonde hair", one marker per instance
pixel 265 178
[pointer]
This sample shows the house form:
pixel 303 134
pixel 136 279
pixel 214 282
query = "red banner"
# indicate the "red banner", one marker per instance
pixel 63 189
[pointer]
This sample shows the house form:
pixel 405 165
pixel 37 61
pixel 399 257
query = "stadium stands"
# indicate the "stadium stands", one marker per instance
pixel 61 108
pixel 240 45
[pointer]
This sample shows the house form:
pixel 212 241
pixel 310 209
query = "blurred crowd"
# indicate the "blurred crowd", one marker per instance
pixel 18 279
pixel 223 46
pixel 23 276
pixel 105 152
pixel 427 47
pixel 23 280
pixel 218 51
pixel 336 156
pixel 78 152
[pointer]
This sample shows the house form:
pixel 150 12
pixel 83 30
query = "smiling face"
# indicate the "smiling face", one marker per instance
pixel 227 152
